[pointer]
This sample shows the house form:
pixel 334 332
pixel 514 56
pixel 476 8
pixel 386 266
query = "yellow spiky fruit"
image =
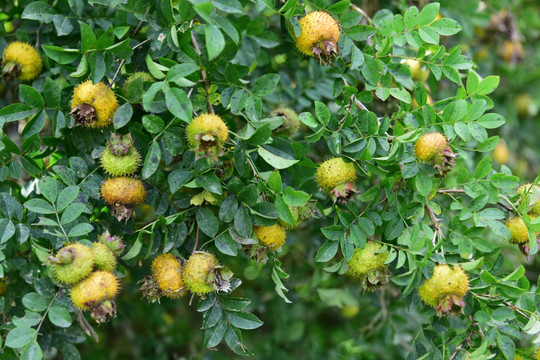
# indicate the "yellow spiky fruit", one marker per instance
pixel 104 258
pixel 273 237
pixel 538 354
pixel 167 272
pixel 429 146
pixel 207 134
pixel 22 61
pixel 501 153
pixel 96 288
pixel 123 193
pixel 319 35
pixel 290 125
pixel 445 289
pixel 73 263
pixel 518 230
pixel 199 272
pixel 369 266
pixel 418 73
pixel 336 177
pixel 93 105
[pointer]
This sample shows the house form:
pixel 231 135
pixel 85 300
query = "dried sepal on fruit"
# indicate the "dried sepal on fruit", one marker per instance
pixel 114 242
pixel 319 36
pixel 206 134
pixel 433 147
pixel 368 265
pixel 72 263
pixel 336 177
pixel 203 274
pixel 167 273
pixel 290 125
pixel 123 194
pixel 120 157
pixel 21 61
pixel 96 293
pixel 93 105
pixel 445 290
pixel 104 258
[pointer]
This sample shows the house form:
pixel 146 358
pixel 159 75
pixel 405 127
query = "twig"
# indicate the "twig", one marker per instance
pixel 364 14
pixel 468 339
pixel 116 73
pixel 203 73
pixel 450 191
pixel 196 240
pixel 136 32
pixel 435 222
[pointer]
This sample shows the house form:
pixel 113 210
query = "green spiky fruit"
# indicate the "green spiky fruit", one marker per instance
pixel 167 272
pixel 141 76
pixel 206 134
pixel 273 237
pixel 96 288
pixel 429 146
pixel 290 125
pixel 368 266
pixel 122 194
pixel 445 290
pixel 22 61
pixel 104 258
pixel 518 230
pixel 336 177
pixel 120 158
pixel 319 36
pixel 73 263
pixel 93 105
pixel 201 273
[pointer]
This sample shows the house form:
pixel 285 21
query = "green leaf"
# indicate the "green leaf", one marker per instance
pixel 178 103
pixel 323 114
pixel 39 206
pixel 61 55
pixel 80 230
pixel 32 351
pixel 423 183
pixel 153 124
pixel 35 302
pixel 428 14
pixel 488 85
pixel 215 42
pixel 66 197
pixel 210 182
pixel 178 178
pixel 483 168
pixel 260 136
pixel 122 115
pixel 243 320
pixel 15 112
pixel 295 197
pixel 491 121
pixel 226 245
pixel 265 84
pixel 135 249
pixel 7 230
pixel 88 38
pixel 276 161
pixel 213 336
pixel 20 336
pixel 40 11
pixel 48 187
pixel 327 251
pixel 31 97
pixel 59 316
pixel 207 222
pixel 274 181
pixel 411 17
pixel 151 161
pixel 180 71
pixel 242 222
pixel 72 212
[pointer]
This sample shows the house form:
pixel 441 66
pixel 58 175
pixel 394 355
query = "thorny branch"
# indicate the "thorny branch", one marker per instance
pixel 435 221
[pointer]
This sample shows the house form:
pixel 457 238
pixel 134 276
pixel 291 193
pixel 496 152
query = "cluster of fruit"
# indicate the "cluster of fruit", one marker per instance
pixel 88 271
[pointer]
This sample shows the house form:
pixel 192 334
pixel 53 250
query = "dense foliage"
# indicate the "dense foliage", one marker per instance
pixel 170 127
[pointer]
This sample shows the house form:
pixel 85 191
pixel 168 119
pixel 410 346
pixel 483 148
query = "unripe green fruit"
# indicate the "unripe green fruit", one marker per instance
pixel 104 258
pixel 518 230
pixel 73 263
pixel 446 289
pixel 142 75
pixel 369 267
pixel 336 177
pixel 98 287
pixel 429 146
pixel 198 272
pixel 273 237
pixel 120 165
pixel 167 272
pixel 290 125
pixel 350 311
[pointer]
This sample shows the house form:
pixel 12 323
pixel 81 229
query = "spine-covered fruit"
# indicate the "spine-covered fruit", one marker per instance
pixel 120 158
pixel 113 242
pixel 272 237
pixel 203 274
pixel 104 258
pixel 93 105
pixel 531 195
pixel 167 273
pixel 433 147
pixel 134 85
pixel 21 61
pixel 445 290
pixel 299 214
pixel 290 125
pixel 206 134
pixel 72 263
pixel 123 194
pixel 336 177
pixel 518 230
pixel 96 293
pixel 368 265
pixel 319 36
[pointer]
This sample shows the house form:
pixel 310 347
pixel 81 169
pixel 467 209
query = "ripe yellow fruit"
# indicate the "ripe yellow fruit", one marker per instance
pixel 98 287
pixel 501 153
pixel 445 289
pixel 93 105
pixel 123 193
pixel 518 230
pixel 290 125
pixel 320 35
pixel 104 258
pixel 73 263
pixel 167 272
pixel 198 272
pixel 335 172
pixel 369 267
pixel 417 72
pixel 273 237
pixel 206 134
pixel 429 146
pixel 21 61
